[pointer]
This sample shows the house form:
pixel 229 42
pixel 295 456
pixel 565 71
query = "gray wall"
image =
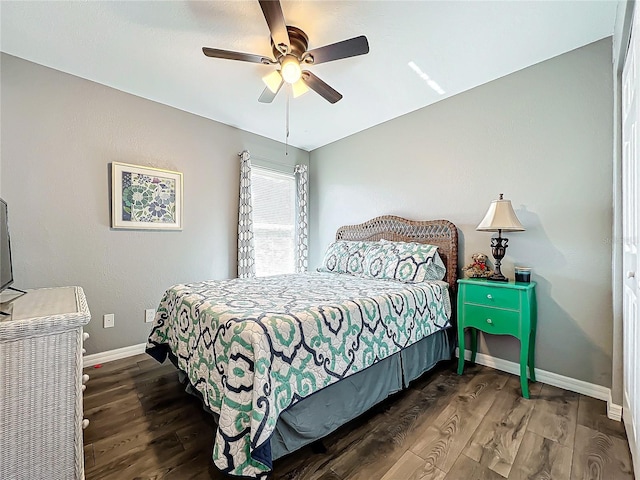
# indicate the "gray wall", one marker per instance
pixel 59 134
pixel 543 136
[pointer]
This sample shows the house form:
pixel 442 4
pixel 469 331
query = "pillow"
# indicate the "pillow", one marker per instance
pixel 403 261
pixel 345 257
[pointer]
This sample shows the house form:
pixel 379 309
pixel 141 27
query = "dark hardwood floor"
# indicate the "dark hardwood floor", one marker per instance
pixel 444 427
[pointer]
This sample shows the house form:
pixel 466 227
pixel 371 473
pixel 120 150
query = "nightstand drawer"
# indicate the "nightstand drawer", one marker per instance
pixel 492 320
pixel 492 296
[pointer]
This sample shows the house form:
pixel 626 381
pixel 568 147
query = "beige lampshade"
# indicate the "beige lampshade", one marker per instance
pixel 273 80
pixel 299 88
pixel 500 216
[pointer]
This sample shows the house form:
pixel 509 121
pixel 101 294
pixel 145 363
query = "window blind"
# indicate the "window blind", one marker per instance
pixel 273 196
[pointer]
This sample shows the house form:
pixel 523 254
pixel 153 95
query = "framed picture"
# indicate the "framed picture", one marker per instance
pixel 145 198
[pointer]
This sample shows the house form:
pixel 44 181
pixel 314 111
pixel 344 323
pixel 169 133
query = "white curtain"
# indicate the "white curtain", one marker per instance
pixel 246 252
pixel 302 223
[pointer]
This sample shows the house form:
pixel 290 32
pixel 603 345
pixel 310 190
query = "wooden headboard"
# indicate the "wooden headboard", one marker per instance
pixel 441 233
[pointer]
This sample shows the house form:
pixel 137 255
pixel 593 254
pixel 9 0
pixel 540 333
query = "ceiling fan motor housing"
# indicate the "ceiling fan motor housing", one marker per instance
pixel 298 44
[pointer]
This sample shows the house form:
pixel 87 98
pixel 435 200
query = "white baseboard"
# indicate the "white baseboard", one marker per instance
pixel 111 355
pixel 614 411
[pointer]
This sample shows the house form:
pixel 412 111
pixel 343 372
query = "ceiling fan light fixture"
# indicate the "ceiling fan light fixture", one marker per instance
pixel 291 70
pixel 273 81
pixel 299 88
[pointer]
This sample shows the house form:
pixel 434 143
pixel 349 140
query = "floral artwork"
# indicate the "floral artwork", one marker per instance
pixel 146 198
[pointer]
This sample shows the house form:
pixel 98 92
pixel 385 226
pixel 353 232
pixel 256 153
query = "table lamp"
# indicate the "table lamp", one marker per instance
pixel 500 217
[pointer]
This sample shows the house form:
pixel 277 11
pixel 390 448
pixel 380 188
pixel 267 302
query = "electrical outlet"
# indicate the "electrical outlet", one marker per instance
pixel 109 320
pixel 149 315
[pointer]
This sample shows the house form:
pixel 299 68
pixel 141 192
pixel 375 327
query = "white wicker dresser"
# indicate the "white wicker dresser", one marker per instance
pixel 41 385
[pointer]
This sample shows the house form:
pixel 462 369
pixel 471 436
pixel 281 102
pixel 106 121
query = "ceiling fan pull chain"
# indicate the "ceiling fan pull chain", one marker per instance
pixel 286 143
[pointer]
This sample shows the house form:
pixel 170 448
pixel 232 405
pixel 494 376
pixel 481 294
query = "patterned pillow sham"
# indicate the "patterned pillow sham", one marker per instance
pixel 403 261
pixel 345 257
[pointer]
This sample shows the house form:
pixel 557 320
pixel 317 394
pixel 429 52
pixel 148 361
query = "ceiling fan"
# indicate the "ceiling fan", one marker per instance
pixel 289 45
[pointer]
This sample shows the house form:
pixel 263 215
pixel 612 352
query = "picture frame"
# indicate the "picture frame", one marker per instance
pixel 145 198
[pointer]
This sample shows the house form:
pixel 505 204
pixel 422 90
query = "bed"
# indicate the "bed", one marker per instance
pixel 283 361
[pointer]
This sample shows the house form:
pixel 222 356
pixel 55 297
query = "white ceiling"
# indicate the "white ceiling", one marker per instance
pixel 153 49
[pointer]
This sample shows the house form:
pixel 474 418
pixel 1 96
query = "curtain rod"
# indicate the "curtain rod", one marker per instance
pixel 269 164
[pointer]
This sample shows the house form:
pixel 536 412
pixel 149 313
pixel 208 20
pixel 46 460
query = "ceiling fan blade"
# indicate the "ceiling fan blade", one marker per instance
pixel 321 88
pixel 345 49
pixel 272 11
pixel 244 57
pixel 267 95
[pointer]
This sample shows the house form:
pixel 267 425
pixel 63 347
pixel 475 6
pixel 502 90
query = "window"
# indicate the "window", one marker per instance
pixel 273 197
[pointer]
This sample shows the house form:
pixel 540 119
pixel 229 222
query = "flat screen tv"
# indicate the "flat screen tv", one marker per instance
pixel 6 269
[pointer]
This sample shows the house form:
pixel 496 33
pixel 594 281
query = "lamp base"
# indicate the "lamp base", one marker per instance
pixel 498 277
pixel 498 249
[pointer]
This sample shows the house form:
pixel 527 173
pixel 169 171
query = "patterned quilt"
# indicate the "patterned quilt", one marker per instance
pixel 254 347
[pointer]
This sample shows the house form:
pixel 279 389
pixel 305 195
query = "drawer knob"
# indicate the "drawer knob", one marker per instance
pixel 85 423
pixel 489 296
pixel 489 321
pixel 85 336
pixel 84 387
pixel 85 378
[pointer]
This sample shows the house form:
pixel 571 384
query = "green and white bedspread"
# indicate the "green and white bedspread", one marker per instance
pixel 254 347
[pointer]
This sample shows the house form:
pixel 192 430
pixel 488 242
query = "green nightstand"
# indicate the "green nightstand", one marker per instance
pixel 500 308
